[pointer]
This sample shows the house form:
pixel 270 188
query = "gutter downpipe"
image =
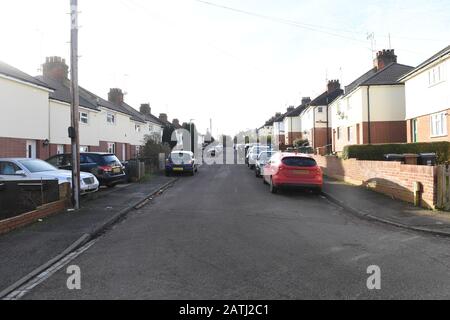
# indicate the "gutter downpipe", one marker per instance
pixel 328 131
pixel 368 116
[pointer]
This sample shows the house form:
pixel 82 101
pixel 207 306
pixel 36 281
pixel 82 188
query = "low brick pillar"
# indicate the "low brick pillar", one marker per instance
pixel 411 158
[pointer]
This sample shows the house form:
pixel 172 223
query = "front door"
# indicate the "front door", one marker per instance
pixel 31 149
pixel 358 134
pixel 414 130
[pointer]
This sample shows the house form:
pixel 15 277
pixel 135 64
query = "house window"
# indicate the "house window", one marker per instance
pixel 110 118
pixel 138 149
pixel 435 75
pixel 438 124
pixel 84 149
pixel 60 149
pixel 339 133
pixel 111 147
pixel 320 109
pixel 137 128
pixel 150 128
pixel 84 117
pixel 349 133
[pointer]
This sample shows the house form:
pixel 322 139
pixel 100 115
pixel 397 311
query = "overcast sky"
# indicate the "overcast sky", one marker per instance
pixel 195 60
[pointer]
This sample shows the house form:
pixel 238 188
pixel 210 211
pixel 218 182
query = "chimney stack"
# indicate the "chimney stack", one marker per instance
pixel 333 85
pixel 384 58
pixel 55 68
pixel 115 96
pixel 163 117
pixel 291 108
pixel 176 123
pixel 145 109
pixel 305 101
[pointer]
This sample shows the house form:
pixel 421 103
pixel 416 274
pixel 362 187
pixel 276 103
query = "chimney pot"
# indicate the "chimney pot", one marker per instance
pixel 55 68
pixel 145 109
pixel 333 85
pixel 115 96
pixel 163 117
pixel 384 58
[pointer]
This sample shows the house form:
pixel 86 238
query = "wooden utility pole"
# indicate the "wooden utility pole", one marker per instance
pixel 75 100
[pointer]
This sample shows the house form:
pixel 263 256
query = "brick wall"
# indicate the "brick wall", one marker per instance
pixel 31 217
pixel 12 148
pixel 292 136
pixel 390 178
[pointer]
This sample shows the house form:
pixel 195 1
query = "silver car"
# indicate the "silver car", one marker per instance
pixel 34 169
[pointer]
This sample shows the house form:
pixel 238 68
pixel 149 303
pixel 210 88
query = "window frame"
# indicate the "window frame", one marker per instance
pixel 84 117
pixel 113 146
pixel 434 118
pixel 111 118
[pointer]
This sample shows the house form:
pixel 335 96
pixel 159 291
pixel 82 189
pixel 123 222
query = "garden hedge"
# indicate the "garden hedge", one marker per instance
pixel 377 151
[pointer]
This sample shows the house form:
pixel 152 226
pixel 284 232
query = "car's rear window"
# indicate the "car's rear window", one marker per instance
pixel 181 156
pixel 110 159
pixel 299 162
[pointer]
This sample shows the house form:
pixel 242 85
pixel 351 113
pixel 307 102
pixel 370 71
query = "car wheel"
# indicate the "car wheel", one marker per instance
pixel 192 173
pixel 273 189
pixel 167 174
pixel 317 191
pixel 110 185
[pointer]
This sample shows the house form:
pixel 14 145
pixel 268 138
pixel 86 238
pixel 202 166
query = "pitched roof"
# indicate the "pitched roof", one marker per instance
pixel 90 100
pixel 15 73
pixel 326 98
pixel 387 76
pixel 152 118
pixel 62 93
pixel 430 60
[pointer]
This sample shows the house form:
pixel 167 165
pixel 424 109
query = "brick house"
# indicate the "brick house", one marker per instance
pixel 25 114
pixel 372 108
pixel 105 125
pixel 279 131
pixel 427 90
pixel 293 123
pixel 316 118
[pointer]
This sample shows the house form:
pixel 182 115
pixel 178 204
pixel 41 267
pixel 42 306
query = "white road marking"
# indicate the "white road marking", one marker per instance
pixel 27 287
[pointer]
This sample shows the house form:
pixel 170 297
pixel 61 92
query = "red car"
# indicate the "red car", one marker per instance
pixel 293 170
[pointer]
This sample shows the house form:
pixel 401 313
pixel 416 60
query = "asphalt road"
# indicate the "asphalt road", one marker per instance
pixel 222 235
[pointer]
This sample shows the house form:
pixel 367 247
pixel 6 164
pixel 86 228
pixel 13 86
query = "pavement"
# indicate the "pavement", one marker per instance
pixel 375 206
pixel 25 249
pixel 222 235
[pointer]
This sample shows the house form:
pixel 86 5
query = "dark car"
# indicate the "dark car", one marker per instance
pixel 105 166
pixel 181 162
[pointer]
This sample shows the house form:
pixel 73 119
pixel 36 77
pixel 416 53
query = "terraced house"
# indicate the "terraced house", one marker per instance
pixel 316 117
pixel 293 123
pixel 372 109
pixel 42 106
pixel 427 90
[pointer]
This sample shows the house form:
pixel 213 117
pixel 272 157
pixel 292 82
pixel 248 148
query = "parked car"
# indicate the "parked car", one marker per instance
pixel 181 162
pixel 292 170
pixel 105 166
pixel 261 161
pixel 35 169
pixel 253 154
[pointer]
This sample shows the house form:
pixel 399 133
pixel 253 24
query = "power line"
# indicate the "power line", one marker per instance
pixel 312 27
pixel 292 23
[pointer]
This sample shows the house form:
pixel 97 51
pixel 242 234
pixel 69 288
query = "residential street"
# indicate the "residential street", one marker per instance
pixel 222 235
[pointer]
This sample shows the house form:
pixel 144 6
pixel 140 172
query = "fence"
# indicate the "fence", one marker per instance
pixel 17 197
pixel 443 187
